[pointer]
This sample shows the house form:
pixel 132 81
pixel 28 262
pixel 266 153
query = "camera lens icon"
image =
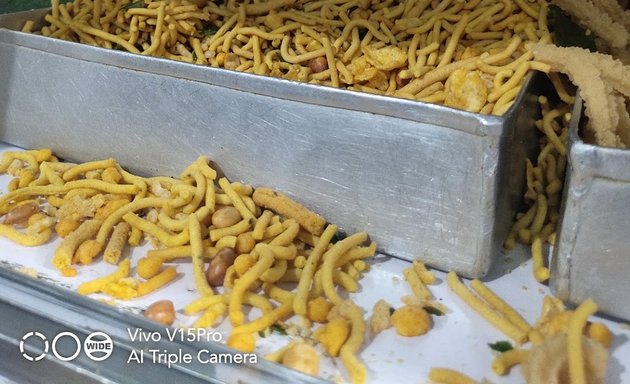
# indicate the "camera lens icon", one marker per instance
pixel 23 351
pixel 97 346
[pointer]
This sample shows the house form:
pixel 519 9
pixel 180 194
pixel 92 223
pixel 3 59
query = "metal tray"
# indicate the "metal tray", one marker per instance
pixel 50 305
pixel 426 181
pixel 592 256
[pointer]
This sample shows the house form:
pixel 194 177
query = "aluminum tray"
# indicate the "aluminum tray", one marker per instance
pixel 592 257
pixel 426 181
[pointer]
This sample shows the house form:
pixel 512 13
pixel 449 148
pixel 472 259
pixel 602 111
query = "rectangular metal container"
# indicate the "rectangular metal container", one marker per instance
pixel 426 181
pixel 592 255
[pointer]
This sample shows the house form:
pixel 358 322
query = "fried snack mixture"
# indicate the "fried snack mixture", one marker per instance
pixel 471 55
pixel 564 346
pixel 604 84
pixel 254 241
pixel 413 318
pixel 602 78
pixel 545 179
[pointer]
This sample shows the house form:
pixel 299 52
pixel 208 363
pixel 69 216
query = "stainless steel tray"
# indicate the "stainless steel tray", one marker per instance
pixel 29 305
pixel 426 181
pixel 592 255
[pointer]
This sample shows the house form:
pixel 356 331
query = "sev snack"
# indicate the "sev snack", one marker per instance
pixel 97 284
pixel 544 180
pixel 574 341
pixel 348 351
pixel 116 243
pixel 449 376
pixel 494 317
pixel 502 364
pixel 419 50
pixel 416 284
pixel 247 257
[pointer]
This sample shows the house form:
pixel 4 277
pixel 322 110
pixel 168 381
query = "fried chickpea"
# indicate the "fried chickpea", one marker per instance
pixel 411 320
pixel 162 312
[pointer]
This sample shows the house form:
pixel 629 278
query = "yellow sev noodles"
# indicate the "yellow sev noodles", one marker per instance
pixel 98 204
pixel 468 55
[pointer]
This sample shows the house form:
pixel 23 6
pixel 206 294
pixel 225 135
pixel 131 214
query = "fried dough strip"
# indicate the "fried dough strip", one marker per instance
pixel 596 20
pixel 282 204
pixel 597 94
pixel 615 11
pixel 612 70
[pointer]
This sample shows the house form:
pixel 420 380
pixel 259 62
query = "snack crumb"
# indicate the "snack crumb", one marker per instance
pixel 28 271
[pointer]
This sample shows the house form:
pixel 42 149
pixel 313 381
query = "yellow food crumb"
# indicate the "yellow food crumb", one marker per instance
pixel 466 90
pixel 317 309
pixel 302 357
pixel 380 319
pixel 66 226
pixel 386 58
pixel 77 208
pixel 556 324
pixel 69 272
pixel 106 210
pixel 147 267
pixel 111 175
pixel 361 69
pixel 123 289
pixel 333 335
pixel 243 342
pixel 411 320
pixel 30 272
pixel 600 332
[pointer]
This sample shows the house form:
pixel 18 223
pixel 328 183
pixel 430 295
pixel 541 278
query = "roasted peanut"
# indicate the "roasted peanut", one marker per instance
pixel 215 274
pixel 318 64
pixel 21 212
pixel 225 217
pixel 162 312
